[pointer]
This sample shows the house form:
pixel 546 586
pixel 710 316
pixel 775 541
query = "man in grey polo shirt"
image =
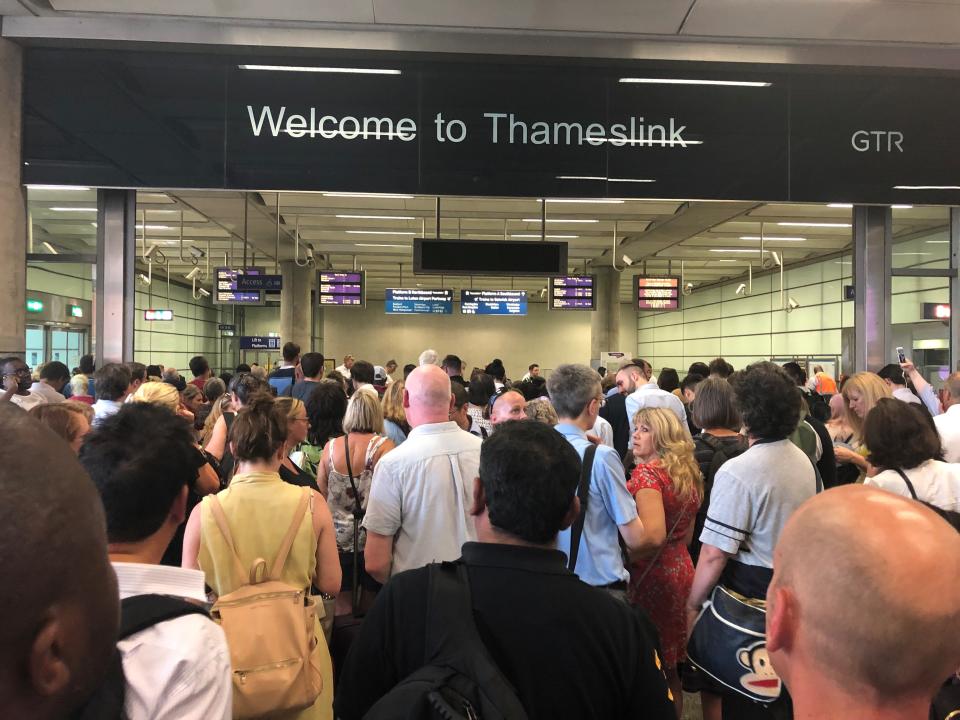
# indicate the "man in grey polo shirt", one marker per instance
pixel 422 492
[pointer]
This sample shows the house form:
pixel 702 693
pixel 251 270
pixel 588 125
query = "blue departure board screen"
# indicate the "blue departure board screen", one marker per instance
pixel 226 292
pixel 417 301
pixel 493 302
pixel 573 292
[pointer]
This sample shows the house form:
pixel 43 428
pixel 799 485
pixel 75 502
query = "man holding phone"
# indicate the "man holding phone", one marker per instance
pixel 16 383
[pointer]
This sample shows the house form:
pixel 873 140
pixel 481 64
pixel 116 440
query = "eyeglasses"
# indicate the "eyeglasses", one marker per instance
pixel 18 371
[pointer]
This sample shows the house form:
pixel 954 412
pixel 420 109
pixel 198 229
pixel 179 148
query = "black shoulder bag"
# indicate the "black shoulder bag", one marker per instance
pixel 583 491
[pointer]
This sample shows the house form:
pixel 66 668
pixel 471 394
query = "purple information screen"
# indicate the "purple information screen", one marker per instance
pixel 225 289
pixel 573 292
pixel 345 289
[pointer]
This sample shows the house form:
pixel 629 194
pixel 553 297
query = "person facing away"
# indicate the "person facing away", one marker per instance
pixel 285 375
pixel 569 650
pixel 849 653
pixel 60 607
pixel 66 419
pixel 200 369
pixel 178 669
pixel 259 507
pixel 311 365
pixel 54 376
pixel 419 506
pixel 113 382
pixel 611 509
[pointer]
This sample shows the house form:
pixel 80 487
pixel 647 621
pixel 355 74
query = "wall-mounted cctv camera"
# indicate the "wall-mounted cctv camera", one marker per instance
pixel 196 252
pixel 688 288
pixel 203 292
pixel 741 289
pixel 309 249
pixel 143 279
pixel 193 273
pixel 627 260
pixel 791 305
pixel 150 251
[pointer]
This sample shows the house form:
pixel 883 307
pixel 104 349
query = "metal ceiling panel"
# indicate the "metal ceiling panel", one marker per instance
pixel 329 11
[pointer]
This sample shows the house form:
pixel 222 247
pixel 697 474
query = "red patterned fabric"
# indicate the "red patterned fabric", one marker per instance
pixel 663 591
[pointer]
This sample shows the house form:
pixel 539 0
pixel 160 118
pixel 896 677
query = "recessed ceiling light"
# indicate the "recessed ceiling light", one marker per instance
pixel 154 227
pixel 840 205
pixel 375 217
pixel 57 187
pixel 902 207
pixel 377 232
pixel 724 261
pixel 559 220
pixel 588 201
pixel 814 224
pixel 733 250
pixel 938 242
pixel 926 187
pixel 313 69
pixel 913 253
pixel 50 248
pixel 71 209
pixel 773 237
pixel 549 237
pixel 380 245
pixel 386 196
pixel 687 81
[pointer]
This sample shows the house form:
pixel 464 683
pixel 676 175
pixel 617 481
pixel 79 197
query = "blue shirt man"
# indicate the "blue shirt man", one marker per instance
pixel 575 393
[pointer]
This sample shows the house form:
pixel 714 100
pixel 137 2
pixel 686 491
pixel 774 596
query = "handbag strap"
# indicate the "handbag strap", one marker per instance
pixel 221 520
pixel 913 492
pixel 357 514
pixel 583 492
pixel 660 549
pixel 357 507
pixel 291 535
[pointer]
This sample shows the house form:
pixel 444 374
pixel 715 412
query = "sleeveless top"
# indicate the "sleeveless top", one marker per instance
pixel 340 494
pixel 259 507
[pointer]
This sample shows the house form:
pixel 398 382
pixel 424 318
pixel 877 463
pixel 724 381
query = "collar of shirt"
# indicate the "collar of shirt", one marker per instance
pixel 101 403
pixel 649 386
pixel 434 429
pixel 140 579
pixel 519 557
pixel 569 429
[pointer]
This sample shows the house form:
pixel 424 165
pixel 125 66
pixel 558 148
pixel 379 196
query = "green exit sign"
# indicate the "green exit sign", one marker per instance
pixel 34 306
pixel 75 311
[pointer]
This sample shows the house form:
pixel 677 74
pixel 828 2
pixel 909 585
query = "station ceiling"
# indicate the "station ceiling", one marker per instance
pixel 706 242
pixel 855 21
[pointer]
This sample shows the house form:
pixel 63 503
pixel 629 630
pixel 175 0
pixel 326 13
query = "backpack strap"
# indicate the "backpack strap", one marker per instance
pixel 583 492
pixel 452 635
pixel 221 519
pixel 913 492
pixel 288 539
pixel 140 612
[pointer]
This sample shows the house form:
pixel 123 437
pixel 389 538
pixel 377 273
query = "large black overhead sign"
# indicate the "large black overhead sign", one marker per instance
pixel 566 129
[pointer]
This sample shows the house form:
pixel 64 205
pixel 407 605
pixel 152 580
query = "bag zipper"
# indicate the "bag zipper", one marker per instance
pixel 297 595
pixel 242 674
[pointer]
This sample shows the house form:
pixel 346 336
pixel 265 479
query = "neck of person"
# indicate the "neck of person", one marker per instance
pixel 427 417
pixel 487 533
pixel 651 459
pixel 583 421
pixel 815 697
pixel 146 552
pixel 260 465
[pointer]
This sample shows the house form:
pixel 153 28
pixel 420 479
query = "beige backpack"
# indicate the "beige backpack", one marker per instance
pixel 270 630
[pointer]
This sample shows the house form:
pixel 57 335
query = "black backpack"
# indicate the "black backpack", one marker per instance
pixel 460 680
pixel 136 613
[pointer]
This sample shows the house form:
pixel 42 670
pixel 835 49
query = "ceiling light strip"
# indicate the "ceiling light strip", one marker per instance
pixel 689 81
pixel 321 69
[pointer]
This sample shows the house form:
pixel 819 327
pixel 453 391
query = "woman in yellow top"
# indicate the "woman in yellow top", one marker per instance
pixel 860 393
pixel 258 506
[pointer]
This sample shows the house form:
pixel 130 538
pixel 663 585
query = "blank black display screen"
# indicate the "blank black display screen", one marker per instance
pixel 488 257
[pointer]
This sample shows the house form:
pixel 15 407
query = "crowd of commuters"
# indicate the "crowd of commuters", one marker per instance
pixel 586 518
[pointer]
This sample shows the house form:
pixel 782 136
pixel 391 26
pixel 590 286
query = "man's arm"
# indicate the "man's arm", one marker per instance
pixel 709 569
pixel 378 556
pixel 924 390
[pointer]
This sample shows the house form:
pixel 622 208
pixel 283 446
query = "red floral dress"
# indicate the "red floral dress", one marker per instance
pixel 664 590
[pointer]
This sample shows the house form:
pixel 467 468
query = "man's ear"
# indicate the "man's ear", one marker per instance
pixel 573 512
pixel 178 511
pixel 781 619
pixel 453 403
pixel 479 498
pixel 406 399
pixel 49 673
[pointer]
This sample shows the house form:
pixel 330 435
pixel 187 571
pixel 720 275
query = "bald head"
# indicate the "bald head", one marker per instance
pixel 426 396
pixel 952 386
pixel 864 598
pixel 60 625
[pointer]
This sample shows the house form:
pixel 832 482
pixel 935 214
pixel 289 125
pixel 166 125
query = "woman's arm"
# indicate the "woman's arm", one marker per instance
pixel 653 517
pixel 207 479
pixel 846 455
pixel 327 575
pixel 218 439
pixel 323 469
pixel 191 541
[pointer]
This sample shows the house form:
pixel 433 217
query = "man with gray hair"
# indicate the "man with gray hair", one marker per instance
pixel 428 357
pixel 948 422
pixel 576 396
pixel 421 494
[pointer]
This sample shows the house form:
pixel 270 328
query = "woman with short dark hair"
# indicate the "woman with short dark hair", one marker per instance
pixel 259 507
pixel 906 456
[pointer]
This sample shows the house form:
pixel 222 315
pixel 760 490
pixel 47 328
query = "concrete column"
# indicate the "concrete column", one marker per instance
pixel 954 289
pixel 872 269
pixel 13 221
pixel 296 313
pixel 115 286
pixel 605 320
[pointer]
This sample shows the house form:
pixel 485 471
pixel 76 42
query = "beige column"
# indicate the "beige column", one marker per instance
pixel 296 316
pixel 605 320
pixel 13 222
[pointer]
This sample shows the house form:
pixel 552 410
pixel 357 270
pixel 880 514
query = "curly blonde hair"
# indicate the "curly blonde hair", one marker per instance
pixel 675 449
pixel 871 388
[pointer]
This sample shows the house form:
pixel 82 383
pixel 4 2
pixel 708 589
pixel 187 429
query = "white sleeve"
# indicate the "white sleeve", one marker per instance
pixel 384 507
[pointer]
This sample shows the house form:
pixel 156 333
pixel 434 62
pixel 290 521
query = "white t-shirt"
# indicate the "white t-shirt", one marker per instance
pixel 948 425
pixel 46 392
pixel 603 430
pixel 422 493
pixel 935 482
pixel 27 401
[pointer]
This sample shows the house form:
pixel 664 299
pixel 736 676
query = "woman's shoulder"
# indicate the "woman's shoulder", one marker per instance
pixel 647 476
